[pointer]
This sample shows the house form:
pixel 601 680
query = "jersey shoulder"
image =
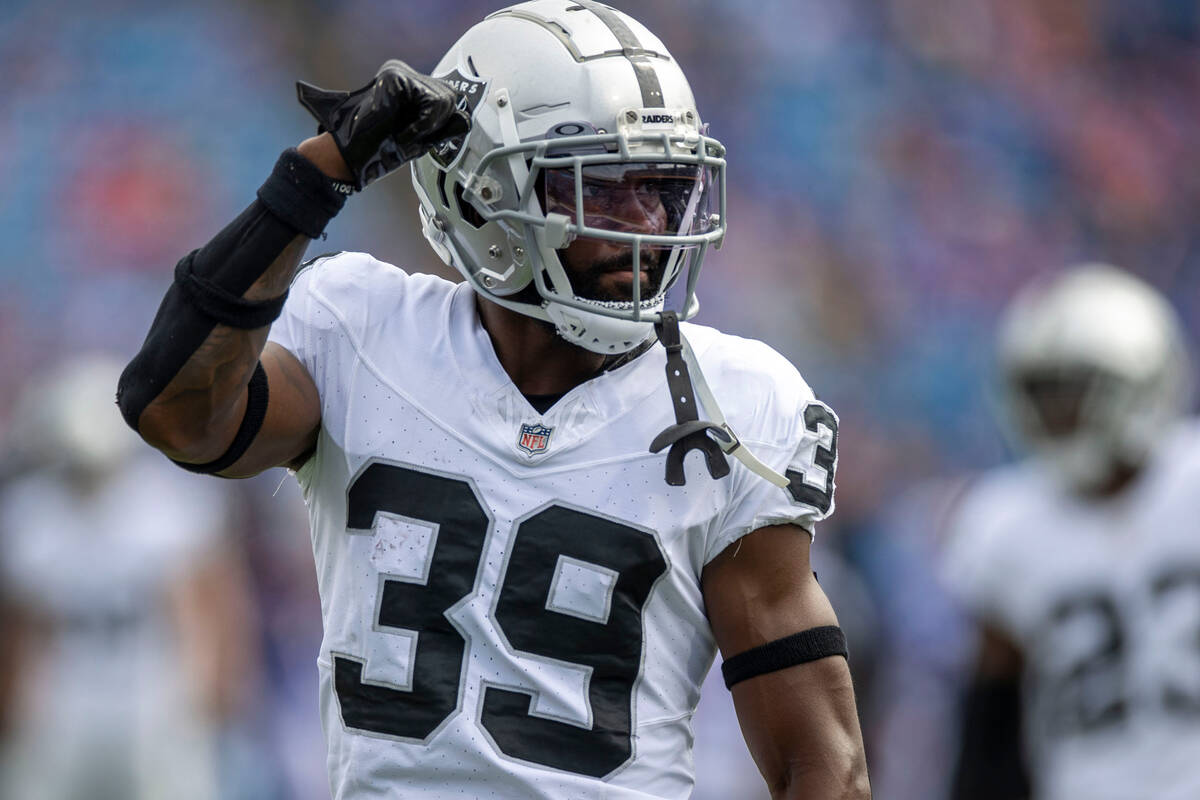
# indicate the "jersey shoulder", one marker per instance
pixel 26 496
pixel 1179 452
pixel 988 531
pixel 344 307
pixel 1000 497
pixel 761 393
pixel 358 291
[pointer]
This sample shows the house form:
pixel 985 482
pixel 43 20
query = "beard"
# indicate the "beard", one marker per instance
pixel 590 283
pixel 593 281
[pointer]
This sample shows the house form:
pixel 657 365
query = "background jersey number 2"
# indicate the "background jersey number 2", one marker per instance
pixel 627 561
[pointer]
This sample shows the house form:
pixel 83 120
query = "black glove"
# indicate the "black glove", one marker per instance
pixel 391 120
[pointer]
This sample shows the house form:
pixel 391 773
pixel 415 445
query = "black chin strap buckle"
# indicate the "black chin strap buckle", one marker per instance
pixel 689 432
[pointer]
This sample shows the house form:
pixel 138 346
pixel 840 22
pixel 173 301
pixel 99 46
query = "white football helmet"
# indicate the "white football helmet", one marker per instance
pixel 68 417
pixel 1094 371
pixel 583 126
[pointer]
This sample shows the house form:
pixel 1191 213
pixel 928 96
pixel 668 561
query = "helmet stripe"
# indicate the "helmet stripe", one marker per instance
pixel 631 48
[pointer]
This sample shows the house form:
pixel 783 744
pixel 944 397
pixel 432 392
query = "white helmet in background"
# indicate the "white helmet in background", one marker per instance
pixel 69 417
pixel 1095 370
pixel 572 103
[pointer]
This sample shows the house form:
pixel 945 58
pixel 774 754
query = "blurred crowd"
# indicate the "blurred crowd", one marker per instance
pixel 897 169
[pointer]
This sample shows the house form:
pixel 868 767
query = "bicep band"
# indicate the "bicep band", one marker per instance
pixel 210 282
pixel 257 395
pixel 799 648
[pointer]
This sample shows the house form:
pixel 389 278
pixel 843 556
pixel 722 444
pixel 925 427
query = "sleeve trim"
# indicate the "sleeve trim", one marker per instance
pixel 805 523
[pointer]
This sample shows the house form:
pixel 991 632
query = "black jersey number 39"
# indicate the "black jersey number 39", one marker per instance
pixel 609 644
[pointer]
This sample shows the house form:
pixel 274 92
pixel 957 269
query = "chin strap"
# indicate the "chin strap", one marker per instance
pixel 689 432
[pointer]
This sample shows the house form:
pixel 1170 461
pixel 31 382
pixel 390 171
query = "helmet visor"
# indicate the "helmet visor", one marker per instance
pixel 1057 400
pixel 652 198
pixel 1061 402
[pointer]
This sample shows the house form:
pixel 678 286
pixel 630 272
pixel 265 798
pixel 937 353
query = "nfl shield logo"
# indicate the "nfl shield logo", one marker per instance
pixel 534 439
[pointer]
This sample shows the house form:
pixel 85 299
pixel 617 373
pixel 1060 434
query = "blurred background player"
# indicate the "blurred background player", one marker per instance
pixel 122 619
pixel 1082 563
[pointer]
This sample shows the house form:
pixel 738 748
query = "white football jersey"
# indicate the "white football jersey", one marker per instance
pixel 1103 597
pixel 512 599
pixel 105 708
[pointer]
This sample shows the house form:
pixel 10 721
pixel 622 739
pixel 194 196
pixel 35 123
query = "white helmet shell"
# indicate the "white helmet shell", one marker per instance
pixel 1101 320
pixel 69 417
pixel 562 84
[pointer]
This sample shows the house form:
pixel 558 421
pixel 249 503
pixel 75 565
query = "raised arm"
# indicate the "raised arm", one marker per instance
pixel 203 389
pixel 197 414
pixel 799 721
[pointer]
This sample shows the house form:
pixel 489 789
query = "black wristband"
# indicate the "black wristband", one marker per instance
pixel 257 397
pixel 809 645
pixel 223 306
pixel 299 194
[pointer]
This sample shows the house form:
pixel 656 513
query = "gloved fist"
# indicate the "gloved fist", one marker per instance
pixel 390 121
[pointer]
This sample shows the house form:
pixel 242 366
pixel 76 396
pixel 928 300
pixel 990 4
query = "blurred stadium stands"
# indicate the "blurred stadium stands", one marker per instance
pixel 898 167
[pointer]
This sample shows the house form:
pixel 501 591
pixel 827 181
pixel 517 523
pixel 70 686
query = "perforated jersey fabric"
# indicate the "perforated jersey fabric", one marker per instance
pixel 511 599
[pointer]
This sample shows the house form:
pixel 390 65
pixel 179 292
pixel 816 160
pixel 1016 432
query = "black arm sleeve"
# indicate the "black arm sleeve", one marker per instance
pixel 990 763
pixel 297 199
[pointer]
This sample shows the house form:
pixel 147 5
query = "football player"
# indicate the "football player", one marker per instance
pixel 523 579
pixel 119 617
pixel 1082 563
